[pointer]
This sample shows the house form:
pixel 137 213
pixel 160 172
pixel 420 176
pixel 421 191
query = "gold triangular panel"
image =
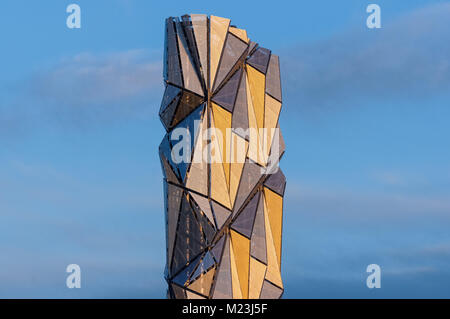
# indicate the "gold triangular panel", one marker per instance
pixel 218 32
pixel 240 33
pixel 257 274
pixel 222 121
pixel 197 179
pixel 241 250
pixel 274 204
pixel 273 273
pixel 257 82
pixel 255 152
pixel 271 114
pixel 236 285
pixel 219 180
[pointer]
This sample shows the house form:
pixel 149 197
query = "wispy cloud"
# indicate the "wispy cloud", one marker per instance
pixel 87 79
pixel 409 57
pixel 86 88
pixel 360 204
pixel 389 178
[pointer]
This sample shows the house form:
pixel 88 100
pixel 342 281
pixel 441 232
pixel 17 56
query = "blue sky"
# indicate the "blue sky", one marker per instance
pixel 365 119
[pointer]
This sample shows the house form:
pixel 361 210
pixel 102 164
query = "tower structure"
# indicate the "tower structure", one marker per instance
pixel 223 190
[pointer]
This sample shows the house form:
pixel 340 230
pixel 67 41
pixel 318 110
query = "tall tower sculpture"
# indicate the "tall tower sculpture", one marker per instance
pixel 223 190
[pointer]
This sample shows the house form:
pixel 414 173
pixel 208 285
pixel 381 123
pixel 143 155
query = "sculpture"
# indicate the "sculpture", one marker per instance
pixel 222 186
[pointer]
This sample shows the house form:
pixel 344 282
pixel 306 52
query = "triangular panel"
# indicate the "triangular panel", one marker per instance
pixel 203 204
pixel 232 52
pixel 190 77
pixel 241 250
pixel 218 33
pixel 250 176
pixel 260 59
pixel 227 94
pixel 223 288
pixel 200 25
pixel 218 247
pixel 270 291
pixel 220 213
pixel 172 69
pixel 240 33
pixel 173 193
pixel 240 111
pixel 203 284
pixel 257 274
pixel 258 240
pixel 273 82
pixel 244 221
pixel 276 182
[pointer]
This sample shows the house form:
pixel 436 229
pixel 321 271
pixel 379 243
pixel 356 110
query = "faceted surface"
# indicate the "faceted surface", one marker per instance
pixel 224 199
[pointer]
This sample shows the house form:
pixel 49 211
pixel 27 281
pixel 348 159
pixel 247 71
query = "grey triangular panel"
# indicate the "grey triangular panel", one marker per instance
pixel 172 69
pixel 173 195
pixel 234 48
pixel 276 152
pixel 258 240
pixel 169 112
pixel 251 47
pixel 200 25
pixel 276 182
pixel 260 59
pixel 169 174
pixel 190 77
pixel 218 247
pixel 192 44
pixel 203 204
pixel 165 150
pixel 190 241
pixel 223 288
pixel 249 179
pixel 273 83
pixel 270 291
pixel 206 226
pixel 227 94
pixel 221 214
pixel 169 94
pixel 239 121
pixel 244 221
